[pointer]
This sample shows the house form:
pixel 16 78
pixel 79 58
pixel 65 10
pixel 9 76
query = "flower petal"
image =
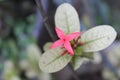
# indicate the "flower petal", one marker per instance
pixel 59 32
pixel 56 44
pixel 68 47
pixel 71 36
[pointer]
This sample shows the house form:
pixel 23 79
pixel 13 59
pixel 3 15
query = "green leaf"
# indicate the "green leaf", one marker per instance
pixel 53 61
pixel 66 18
pixel 33 51
pixel 10 72
pixel 77 61
pixel 81 57
pixel 33 55
pixel 98 38
pixel 31 19
pixel 47 46
pixel 13 49
pixel 79 52
pixel 19 28
pixel 9 21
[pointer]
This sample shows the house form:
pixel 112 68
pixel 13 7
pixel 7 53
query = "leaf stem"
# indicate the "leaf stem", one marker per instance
pixel 45 18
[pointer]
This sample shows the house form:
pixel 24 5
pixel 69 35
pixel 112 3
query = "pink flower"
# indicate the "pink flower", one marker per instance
pixel 65 40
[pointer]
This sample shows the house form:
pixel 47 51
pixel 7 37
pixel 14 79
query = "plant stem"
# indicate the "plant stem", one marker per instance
pixel 45 18
pixel 74 74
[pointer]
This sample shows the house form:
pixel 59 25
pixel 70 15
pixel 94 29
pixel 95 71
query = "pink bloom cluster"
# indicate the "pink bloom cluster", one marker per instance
pixel 65 40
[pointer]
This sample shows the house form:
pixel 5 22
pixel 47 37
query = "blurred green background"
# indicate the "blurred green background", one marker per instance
pixel 23 35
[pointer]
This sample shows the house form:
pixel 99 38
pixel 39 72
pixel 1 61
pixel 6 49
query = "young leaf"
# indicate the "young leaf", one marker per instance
pixel 98 38
pixel 77 61
pixel 47 46
pixel 66 18
pixel 97 58
pixel 53 61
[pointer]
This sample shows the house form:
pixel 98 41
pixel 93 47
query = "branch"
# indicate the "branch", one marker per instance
pixel 74 74
pixel 45 19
